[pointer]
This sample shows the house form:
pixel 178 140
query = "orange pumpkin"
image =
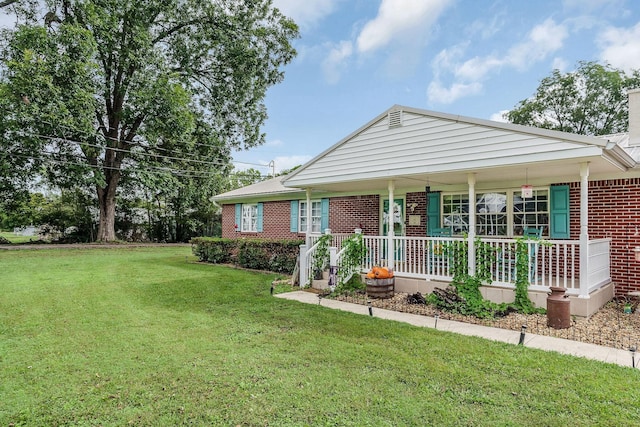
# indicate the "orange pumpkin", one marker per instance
pixel 382 273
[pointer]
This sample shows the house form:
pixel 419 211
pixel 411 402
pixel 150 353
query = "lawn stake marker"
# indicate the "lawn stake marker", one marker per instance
pixel 522 331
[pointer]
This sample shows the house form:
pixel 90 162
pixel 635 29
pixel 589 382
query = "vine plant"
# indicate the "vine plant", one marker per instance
pixel 353 253
pixel 321 255
pixel 522 302
pixel 468 287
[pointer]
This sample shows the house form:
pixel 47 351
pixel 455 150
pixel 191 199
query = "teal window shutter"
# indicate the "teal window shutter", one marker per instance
pixel 433 211
pixel 259 220
pixel 559 221
pixel 324 219
pixel 238 216
pixel 294 216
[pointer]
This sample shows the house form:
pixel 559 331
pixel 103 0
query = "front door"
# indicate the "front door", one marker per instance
pixel 398 224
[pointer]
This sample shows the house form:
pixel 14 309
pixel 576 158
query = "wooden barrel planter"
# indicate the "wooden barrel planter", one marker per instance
pixel 380 288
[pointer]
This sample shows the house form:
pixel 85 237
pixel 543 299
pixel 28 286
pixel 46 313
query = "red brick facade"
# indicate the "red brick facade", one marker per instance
pixel 348 213
pixel 345 215
pixel 614 212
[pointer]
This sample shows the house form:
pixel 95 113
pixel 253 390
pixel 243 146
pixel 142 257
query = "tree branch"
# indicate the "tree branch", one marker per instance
pixel 7 3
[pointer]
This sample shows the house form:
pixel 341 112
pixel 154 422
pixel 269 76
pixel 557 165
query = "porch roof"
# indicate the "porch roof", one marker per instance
pixel 271 188
pixel 417 147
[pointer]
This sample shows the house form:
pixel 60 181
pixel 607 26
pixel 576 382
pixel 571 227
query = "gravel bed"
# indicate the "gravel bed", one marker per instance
pixel 610 326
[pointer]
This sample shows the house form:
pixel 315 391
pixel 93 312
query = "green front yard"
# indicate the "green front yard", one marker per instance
pixel 10 236
pixel 147 336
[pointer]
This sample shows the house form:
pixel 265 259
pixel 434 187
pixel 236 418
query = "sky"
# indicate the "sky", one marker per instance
pixel 476 58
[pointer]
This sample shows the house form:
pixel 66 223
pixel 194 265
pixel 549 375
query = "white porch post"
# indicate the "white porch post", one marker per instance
pixel 307 239
pixel 584 230
pixel 471 266
pixel 390 249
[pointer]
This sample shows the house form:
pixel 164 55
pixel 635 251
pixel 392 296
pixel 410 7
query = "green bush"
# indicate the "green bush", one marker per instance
pixel 259 254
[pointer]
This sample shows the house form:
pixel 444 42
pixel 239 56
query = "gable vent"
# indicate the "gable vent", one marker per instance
pixel 395 119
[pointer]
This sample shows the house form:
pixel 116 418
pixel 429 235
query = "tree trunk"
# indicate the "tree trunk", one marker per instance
pixel 107 205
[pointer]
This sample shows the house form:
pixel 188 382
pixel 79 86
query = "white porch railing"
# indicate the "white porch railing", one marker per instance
pixel 307 255
pixel 552 262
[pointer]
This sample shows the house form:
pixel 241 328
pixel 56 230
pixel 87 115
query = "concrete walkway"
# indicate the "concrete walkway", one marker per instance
pixel 560 345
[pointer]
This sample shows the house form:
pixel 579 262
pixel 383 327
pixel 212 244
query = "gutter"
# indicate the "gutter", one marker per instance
pixel 619 156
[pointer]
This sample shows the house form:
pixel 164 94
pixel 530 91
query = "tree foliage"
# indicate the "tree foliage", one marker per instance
pixel 97 92
pixel 592 100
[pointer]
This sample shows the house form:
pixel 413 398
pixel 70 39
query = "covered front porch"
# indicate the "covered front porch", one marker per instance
pixel 422 263
pixel 486 182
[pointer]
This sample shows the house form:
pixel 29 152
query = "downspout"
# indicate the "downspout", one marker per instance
pixel 390 249
pixel 584 230
pixel 471 261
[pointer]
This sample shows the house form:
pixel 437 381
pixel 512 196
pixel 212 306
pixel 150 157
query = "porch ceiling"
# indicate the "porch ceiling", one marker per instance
pixel 535 173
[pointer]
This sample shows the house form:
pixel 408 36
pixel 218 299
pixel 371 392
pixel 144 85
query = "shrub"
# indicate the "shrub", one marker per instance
pixel 259 254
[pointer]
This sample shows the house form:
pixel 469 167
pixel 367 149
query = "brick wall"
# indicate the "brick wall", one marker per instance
pixel 614 212
pixel 419 203
pixel 348 213
pixel 276 222
pixel 345 215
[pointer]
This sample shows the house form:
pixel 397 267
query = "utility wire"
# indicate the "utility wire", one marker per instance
pixel 180 172
pixel 137 143
pixel 126 151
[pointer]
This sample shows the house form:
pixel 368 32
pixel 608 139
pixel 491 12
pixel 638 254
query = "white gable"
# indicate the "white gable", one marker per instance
pixel 407 142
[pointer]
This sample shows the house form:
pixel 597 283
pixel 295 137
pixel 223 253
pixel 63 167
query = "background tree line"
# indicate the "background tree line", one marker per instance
pixel 129 111
pixel 136 105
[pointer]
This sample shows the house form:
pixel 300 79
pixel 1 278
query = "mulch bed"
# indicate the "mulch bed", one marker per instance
pixel 610 326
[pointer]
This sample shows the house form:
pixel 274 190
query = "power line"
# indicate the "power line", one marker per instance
pixel 125 151
pixel 137 142
pixel 179 172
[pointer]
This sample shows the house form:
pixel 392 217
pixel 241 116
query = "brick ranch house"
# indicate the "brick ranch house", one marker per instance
pixel 581 193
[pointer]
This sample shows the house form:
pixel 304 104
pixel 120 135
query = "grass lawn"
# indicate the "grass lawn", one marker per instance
pixel 10 236
pixel 128 336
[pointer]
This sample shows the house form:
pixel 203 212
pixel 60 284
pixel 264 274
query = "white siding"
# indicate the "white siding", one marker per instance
pixel 427 144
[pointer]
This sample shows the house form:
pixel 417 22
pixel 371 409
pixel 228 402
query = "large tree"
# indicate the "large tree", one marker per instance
pixel 98 88
pixel 592 100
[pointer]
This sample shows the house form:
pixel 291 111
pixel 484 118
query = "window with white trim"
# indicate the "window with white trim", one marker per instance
pixel 249 218
pixel 498 213
pixel 316 216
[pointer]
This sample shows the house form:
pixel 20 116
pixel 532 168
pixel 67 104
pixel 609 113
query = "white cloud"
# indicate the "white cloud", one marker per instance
pixel 621 47
pixel 308 12
pixel 436 92
pixel 499 116
pixel 542 40
pixel 336 62
pixel 287 162
pixel 559 64
pixel 396 18
pixel 476 68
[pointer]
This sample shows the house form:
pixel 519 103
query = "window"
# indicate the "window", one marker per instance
pixel 498 213
pixel 249 218
pixel 455 208
pixel 531 212
pixel 491 214
pixel 316 216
